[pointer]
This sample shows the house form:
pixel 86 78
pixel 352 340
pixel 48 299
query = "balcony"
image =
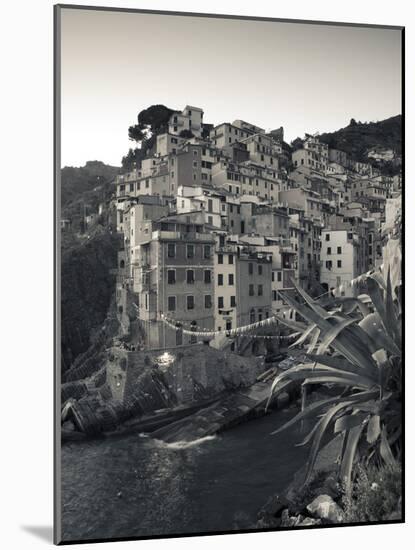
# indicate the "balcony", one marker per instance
pixel 227 248
pixel 193 236
pixel 166 235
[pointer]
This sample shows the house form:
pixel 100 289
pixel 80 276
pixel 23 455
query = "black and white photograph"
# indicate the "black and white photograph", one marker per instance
pixel 229 240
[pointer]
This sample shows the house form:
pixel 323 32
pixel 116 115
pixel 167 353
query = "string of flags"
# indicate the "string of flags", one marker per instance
pixel 244 330
pixel 176 325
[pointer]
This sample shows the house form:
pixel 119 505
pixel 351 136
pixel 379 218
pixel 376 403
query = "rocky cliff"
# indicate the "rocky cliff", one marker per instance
pixel 87 287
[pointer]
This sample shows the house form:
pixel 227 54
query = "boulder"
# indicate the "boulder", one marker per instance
pixel 290 521
pixel 329 487
pixel 325 508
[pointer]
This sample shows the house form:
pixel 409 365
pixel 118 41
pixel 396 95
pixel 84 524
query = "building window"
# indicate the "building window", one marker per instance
pixel 339 263
pixel 339 250
pixel 274 295
pixel 171 276
pixel 260 290
pixel 230 259
pixel 190 276
pixel 230 279
pixel 220 279
pixel 250 268
pixel 259 269
pixel 206 251
pixel 171 250
pixel 220 302
pixel 190 250
pixel 233 301
pixel 279 276
pixel 252 316
pixel 190 300
pixel 171 303
pixel 327 236
pixel 328 250
pixel 251 290
pixel 328 264
pixel 220 258
pixel 208 301
pixel 207 276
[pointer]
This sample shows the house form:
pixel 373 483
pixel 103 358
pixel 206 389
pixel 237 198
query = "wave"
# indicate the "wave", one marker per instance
pixel 178 445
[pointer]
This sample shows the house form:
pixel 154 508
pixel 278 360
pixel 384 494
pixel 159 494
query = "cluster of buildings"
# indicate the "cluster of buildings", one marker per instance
pixel 214 228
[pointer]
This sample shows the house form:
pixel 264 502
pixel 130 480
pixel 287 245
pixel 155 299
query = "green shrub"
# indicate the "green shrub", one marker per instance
pixel 376 495
pixel 359 353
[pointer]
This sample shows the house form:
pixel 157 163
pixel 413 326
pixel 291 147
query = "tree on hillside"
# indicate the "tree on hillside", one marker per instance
pixel 297 143
pixel 155 118
pixel 151 122
pixel 132 159
pixel 136 133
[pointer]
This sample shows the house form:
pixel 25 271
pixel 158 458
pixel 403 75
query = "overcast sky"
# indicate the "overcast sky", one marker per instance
pixel 306 78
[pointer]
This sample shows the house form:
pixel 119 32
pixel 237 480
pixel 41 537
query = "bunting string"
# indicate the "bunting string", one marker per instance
pixel 239 331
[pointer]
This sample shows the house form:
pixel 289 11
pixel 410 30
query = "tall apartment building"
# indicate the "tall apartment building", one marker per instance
pixel 225 134
pixel 191 118
pixel 246 179
pixel 167 144
pixel 338 157
pixel 225 281
pixel 282 257
pixel 254 274
pixel 303 199
pixel 265 220
pixel 344 256
pixel 305 235
pixel 263 150
pixel 203 199
pixel 173 276
pixel 313 154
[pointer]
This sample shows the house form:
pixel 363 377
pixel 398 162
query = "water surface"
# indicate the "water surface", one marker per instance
pixel 137 486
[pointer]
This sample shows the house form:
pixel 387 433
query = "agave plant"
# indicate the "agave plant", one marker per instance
pixel 355 346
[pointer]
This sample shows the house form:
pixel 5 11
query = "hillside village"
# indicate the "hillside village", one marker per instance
pixel 216 223
pixel 236 260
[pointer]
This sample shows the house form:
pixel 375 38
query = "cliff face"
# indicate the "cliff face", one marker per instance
pixel 87 287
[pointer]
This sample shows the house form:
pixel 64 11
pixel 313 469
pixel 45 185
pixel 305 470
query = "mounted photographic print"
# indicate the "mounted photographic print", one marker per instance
pixel 229 293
